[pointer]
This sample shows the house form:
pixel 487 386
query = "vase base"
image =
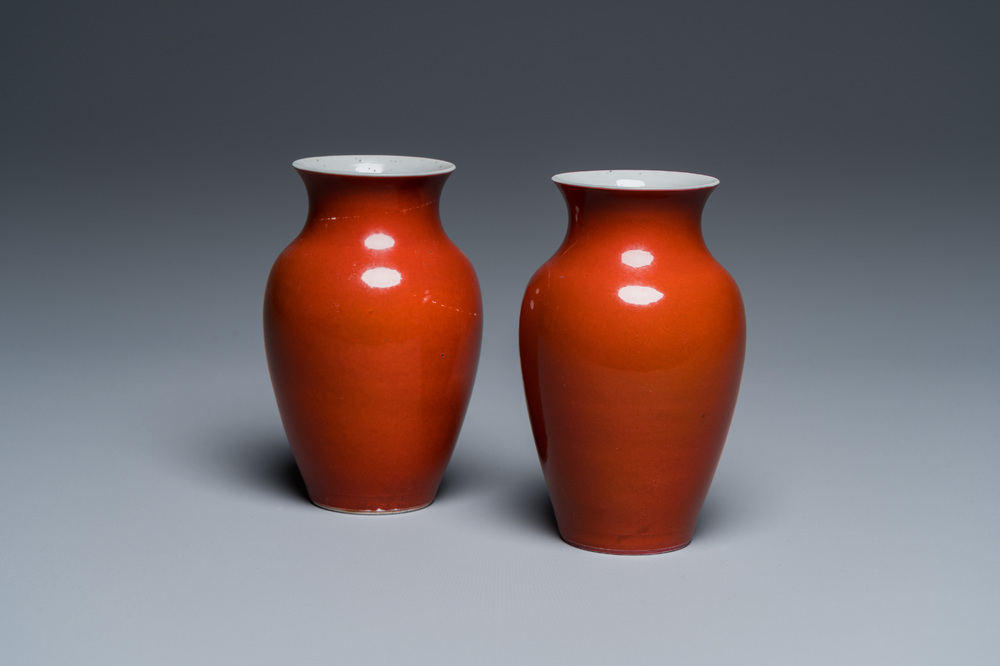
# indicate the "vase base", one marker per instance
pixel 625 551
pixel 373 512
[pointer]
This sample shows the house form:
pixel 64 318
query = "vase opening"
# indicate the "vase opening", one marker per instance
pixel 631 179
pixel 374 165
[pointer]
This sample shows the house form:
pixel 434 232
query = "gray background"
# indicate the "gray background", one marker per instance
pixel 150 508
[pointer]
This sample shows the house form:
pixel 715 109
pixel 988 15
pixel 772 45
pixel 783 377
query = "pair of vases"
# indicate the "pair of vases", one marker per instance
pixel 632 341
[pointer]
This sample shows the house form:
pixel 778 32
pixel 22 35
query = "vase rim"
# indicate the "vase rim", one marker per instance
pixel 636 179
pixel 382 166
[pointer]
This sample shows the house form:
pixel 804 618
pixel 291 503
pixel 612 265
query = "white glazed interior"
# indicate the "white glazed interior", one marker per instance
pixel 632 179
pixel 374 165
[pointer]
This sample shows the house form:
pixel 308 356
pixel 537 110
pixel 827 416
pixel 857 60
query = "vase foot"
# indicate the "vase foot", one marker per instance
pixel 625 551
pixel 373 512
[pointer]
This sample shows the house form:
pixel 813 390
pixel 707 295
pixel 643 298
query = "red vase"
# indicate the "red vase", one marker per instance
pixel 372 326
pixel 632 341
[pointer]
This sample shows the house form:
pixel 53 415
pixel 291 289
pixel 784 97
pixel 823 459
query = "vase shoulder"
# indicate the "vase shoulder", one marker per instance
pixel 340 257
pixel 635 306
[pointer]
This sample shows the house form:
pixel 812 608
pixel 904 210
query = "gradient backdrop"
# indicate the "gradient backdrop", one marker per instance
pixel 149 510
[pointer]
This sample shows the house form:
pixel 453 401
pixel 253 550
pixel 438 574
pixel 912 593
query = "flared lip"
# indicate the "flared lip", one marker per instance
pixel 383 166
pixel 636 179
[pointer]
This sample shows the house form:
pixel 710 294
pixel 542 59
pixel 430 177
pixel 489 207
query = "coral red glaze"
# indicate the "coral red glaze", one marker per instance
pixel 372 325
pixel 632 343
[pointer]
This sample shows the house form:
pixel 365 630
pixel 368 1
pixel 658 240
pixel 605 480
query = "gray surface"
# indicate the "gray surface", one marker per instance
pixel 150 508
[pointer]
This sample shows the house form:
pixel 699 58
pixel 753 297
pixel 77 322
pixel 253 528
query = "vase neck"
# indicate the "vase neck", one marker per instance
pixel 670 212
pixel 335 197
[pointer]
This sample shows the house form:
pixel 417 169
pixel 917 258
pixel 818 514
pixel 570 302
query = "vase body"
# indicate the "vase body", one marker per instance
pixel 372 327
pixel 632 341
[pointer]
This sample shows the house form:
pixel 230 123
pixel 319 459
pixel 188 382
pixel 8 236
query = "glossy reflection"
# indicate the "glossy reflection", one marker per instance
pixel 379 242
pixel 381 277
pixel 369 167
pixel 637 258
pixel 630 182
pixel 635 294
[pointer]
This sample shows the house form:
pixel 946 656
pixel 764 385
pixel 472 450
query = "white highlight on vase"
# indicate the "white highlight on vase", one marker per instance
pixel 368 167
pixel 379 242
pixel 637 295
pixel 630 182
pixel 381 277
pixel 637 258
